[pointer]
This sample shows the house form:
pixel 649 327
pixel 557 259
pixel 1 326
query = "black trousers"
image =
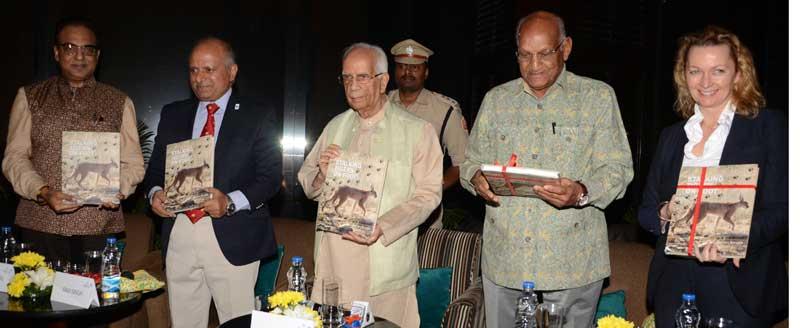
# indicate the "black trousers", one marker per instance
pixel 714 295
pixel 58 247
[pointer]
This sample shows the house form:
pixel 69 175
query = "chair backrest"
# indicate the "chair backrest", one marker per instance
pixel 630 262
pixel 448 248
pixel 268 273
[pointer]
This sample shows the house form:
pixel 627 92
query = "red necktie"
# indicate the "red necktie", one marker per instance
pixel 208 130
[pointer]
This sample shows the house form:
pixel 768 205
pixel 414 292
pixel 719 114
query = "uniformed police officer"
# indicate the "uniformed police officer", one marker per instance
pixel 411 71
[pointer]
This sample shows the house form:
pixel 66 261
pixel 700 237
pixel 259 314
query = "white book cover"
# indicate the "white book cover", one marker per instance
pixel 517 181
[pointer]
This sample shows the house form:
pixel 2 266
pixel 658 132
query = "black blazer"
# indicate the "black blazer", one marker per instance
pixel 761 283
pixel 247 158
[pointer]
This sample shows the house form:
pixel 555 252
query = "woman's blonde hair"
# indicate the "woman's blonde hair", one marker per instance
pixel 746 93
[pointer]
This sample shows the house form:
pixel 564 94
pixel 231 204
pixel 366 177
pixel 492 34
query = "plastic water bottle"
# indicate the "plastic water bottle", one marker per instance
pixel 526 307
pixel 297 276
pixel 111 272
pixel 8 245
pixel 687 316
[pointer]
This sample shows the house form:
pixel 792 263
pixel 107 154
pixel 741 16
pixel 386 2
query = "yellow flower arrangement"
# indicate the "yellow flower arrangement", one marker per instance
pixel 35 278
pixel 291 304
pixel 612 321
pixel 28 261
pixel 286 299
pixel 18 284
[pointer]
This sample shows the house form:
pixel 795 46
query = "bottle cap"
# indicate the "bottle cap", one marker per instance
pixel 6 229
pixel 111 240
pixel 688 297
pixel 297 260
pixel 527 285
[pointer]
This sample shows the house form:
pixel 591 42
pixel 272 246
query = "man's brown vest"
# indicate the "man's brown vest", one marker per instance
pixel 56 107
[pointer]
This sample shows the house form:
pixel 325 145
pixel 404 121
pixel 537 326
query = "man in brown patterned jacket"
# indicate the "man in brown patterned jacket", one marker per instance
pixel 72 101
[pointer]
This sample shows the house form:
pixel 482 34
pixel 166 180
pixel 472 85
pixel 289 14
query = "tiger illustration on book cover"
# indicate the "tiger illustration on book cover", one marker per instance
pixel 721 217
pixel 90 166
pixel 351 195
pixel 189 171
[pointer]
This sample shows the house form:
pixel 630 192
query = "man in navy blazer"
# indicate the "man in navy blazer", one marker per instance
pixel 760 283
pixel 218 255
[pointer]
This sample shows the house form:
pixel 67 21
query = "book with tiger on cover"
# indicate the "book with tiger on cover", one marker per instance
pixel 712 205
pixel 90 167
pixel 351 194
pixel 188 172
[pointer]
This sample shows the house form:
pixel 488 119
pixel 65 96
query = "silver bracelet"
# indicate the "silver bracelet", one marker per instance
pixel 658 212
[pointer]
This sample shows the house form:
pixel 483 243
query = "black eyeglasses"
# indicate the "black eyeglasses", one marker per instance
pixel 545 55
pixel 73 49
pixel 347 79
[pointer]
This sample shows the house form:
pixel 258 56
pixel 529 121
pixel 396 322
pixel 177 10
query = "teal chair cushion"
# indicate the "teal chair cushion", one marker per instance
pixel 433 295
pixel 611 303
pixel 268 273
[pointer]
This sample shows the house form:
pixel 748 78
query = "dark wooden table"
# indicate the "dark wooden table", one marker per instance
pixel 244 322
pixel 44 312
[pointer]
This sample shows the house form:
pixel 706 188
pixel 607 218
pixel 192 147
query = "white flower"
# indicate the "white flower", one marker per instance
pixel 298 311
pixel 41 277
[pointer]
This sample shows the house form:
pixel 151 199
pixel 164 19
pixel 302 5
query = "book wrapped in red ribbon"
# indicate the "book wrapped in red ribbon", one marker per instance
pixel 511 180
pixel 712 205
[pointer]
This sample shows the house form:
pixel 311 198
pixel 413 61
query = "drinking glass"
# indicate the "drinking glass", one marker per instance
pixel 720 322
pixel 332 315
pixel 94 265
pixel 331 309
pixel 25 247
pixel 330 290
pixel 59 265
pixel 75 268
pixel 549 315
pixel 262 302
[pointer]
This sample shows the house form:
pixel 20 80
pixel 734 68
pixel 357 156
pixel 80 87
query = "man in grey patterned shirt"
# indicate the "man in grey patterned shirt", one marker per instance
pixel 551 119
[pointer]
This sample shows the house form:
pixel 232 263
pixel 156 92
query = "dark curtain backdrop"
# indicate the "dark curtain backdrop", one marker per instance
pixel 289 54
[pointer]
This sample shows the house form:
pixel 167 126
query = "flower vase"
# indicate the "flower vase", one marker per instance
pixel 34 299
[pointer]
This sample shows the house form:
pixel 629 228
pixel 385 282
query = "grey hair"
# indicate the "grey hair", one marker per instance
pixel 562 31
pixel 230 56
pixel 381 63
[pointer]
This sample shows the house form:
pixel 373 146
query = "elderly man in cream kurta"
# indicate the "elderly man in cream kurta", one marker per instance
pixel 382 269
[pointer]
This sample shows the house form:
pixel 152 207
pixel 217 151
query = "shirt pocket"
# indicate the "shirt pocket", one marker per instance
pixel 567 147
pixel 506 137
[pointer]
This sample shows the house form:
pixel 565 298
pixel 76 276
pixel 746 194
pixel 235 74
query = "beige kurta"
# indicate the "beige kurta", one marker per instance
pixel 349 261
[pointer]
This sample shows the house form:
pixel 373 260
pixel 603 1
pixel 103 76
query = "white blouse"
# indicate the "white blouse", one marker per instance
pixel 712 150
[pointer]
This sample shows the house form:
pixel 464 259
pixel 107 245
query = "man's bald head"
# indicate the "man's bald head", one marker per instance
pixel 214 42
pixel 544 19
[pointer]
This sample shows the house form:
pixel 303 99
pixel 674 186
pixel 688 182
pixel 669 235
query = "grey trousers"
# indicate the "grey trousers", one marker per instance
pixel 580 304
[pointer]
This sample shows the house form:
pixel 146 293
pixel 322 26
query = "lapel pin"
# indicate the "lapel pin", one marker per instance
pixel 236 106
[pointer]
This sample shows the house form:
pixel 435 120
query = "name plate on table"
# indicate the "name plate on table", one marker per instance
pixel 74 290
pixel 6 274
pixel 261 319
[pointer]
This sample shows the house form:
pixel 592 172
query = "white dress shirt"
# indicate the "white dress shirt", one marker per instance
pixel 712 150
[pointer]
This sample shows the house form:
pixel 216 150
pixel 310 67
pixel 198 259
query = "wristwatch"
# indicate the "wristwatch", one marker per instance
pixel 583 198
pixel 231 206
